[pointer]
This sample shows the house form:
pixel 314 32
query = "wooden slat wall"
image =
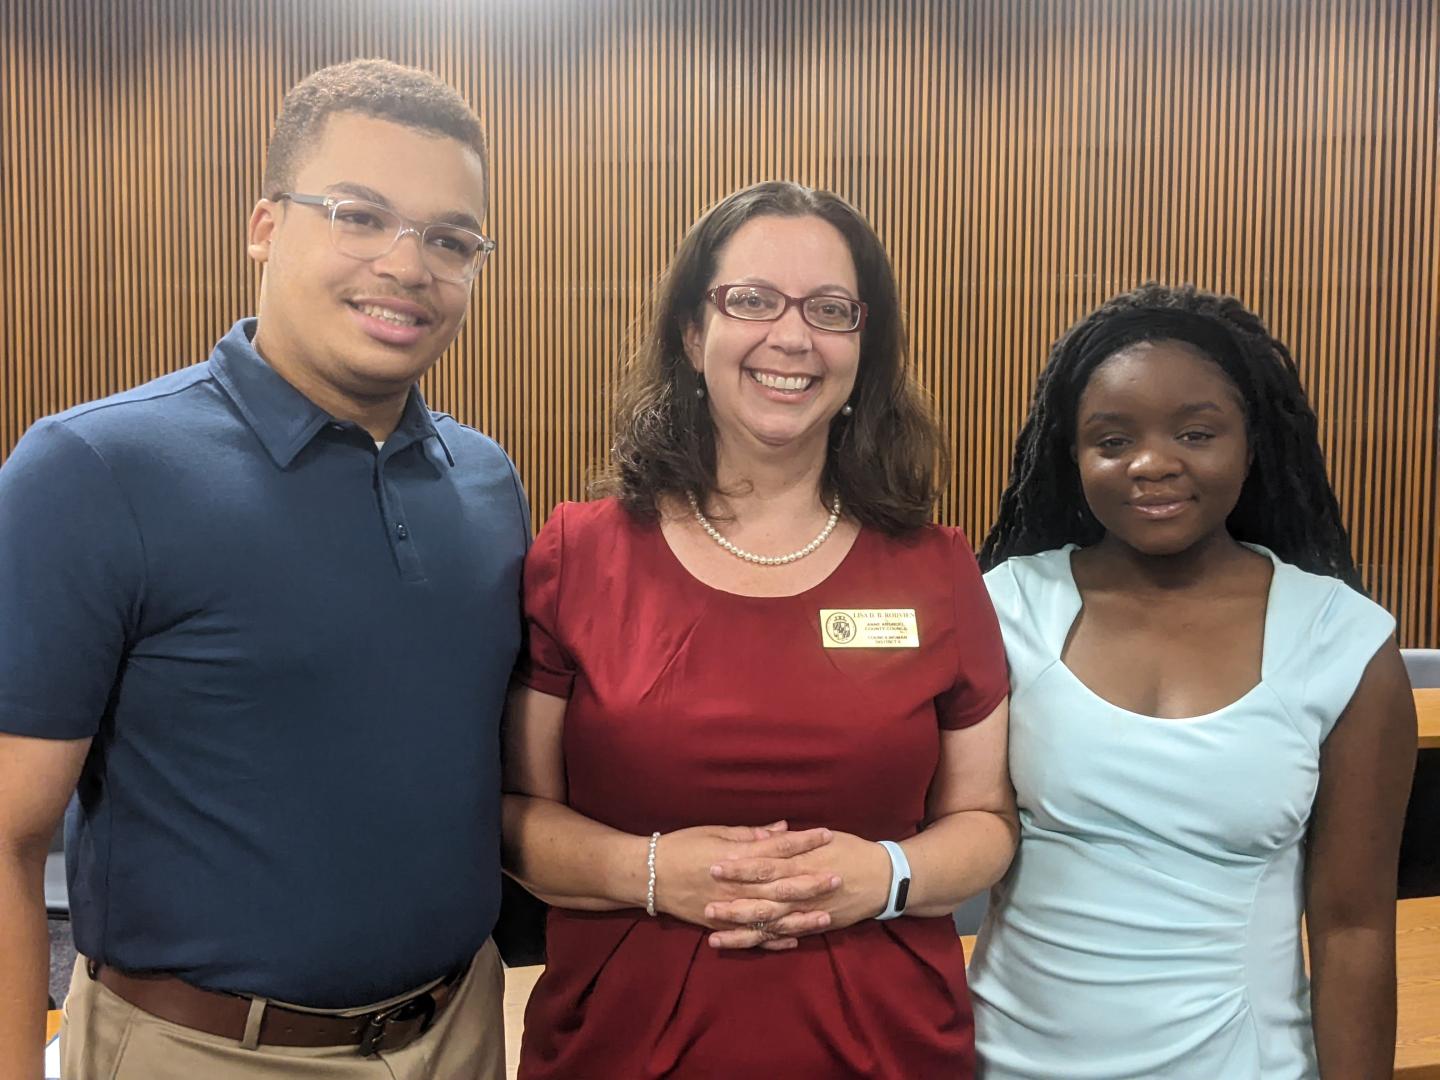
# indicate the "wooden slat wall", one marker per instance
pixel 1021 160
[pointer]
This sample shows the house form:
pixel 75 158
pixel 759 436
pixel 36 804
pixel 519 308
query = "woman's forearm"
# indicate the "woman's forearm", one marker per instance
pixel 570 860
pixel 1352 1002
pixel 957 856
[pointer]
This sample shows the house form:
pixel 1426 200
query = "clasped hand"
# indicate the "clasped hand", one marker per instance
pixel 767 886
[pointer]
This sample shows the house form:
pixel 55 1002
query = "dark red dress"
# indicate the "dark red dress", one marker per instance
pixel 692 706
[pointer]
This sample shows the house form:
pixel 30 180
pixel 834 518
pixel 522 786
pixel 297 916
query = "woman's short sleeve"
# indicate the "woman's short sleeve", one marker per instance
pixel 981 679
pixel 545 664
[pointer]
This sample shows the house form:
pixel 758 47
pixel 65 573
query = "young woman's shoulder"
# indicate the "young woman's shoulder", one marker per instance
pixel 1320 636
pixel 1023 577
pixel 1035 602
pixel 1319 607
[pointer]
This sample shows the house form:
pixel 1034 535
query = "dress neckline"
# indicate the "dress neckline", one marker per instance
pixel 1267 646
pixel 684 571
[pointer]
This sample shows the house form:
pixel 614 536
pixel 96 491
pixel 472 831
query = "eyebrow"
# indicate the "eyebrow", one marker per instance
pixel 1191 409
pixel 360 191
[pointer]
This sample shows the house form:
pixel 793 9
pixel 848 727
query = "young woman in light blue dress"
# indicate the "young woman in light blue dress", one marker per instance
pixel 1211 728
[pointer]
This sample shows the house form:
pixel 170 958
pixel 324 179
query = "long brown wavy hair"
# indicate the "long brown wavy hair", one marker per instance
pixel 883 461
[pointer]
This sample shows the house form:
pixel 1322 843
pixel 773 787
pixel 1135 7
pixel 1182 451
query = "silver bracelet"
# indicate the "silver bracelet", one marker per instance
pixel 650 865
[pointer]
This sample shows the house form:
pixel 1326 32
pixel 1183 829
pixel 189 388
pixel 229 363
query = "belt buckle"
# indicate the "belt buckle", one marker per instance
pixel 374 1034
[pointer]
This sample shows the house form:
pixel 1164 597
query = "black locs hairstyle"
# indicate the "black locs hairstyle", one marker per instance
pixel 1286 503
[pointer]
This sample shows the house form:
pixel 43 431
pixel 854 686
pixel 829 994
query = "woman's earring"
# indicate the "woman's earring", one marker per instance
pixel 700 391
pixel 846 410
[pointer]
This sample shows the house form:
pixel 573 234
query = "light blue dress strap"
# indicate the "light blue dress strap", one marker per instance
pixel 1036 603
pixel 1324 636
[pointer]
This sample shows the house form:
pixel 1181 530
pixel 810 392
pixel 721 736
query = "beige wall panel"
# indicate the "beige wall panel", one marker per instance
pixel 1021 160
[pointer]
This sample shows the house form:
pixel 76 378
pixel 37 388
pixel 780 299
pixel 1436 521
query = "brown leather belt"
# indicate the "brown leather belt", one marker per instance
pixel 226 1015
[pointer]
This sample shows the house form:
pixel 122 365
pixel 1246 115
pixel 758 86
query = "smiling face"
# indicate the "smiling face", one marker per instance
pixel 352 329
pixel 777 385
pixel 1161 447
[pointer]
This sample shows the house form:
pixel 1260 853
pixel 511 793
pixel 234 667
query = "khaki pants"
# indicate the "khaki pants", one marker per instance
pixel 106 1038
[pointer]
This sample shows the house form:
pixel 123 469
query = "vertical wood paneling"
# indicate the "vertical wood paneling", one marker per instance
pixel 1022 161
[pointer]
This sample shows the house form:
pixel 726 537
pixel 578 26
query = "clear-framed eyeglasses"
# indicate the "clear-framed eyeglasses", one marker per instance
pixel 365 230
pixel 760 303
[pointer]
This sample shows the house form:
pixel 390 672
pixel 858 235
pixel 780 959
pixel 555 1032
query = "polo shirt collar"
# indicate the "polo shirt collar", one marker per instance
pixel 417 424
pixel 285 420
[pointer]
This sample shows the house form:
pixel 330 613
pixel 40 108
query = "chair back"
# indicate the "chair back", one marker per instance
pixel 1423 667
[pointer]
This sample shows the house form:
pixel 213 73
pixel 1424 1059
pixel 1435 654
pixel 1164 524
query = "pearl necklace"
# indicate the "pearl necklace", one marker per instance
pixel 768 560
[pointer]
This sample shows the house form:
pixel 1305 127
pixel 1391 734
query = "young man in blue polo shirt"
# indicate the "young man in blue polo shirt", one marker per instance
pixel 259 615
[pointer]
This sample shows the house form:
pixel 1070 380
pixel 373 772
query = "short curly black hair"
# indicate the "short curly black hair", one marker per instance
pixel 376 88
pixel 1286 503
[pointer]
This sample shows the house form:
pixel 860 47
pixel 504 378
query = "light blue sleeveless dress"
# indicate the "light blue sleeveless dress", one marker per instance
pixel 1150 924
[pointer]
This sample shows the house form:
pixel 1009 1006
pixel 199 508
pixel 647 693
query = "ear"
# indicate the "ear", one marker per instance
pixel 1075 453
pixel 694 338
pixel 261 230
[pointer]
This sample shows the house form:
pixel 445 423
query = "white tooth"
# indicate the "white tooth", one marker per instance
pixel 782 382
pixel 377 312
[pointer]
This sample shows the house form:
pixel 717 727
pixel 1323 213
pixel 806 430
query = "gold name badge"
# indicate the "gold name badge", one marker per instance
pixel 872 628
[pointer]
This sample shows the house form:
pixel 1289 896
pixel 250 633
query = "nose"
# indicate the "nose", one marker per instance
pixel 1153 461
pixel 404 262
pixel 790 332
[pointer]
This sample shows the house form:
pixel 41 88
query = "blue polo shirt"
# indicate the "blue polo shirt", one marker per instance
pixel 292 651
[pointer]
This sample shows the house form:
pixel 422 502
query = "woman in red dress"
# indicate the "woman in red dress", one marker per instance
pixel 756 755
